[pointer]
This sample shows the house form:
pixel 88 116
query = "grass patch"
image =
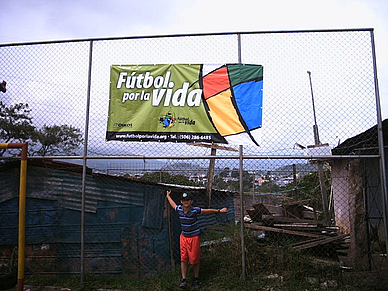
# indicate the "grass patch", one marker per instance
pixel 269 266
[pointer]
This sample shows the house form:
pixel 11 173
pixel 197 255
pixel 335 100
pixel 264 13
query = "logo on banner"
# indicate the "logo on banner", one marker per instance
pixel 167 120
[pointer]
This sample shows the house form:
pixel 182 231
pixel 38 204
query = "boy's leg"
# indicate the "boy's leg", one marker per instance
pixel 196 270
pixel 184 261
pixel 196 278
pixel 196 251
pixel 184 266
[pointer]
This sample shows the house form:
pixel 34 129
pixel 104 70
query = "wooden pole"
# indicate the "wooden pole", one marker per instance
pixel 212 162
pixel 294 180
pixel 170 235
pixel 243 256
pixel 210 176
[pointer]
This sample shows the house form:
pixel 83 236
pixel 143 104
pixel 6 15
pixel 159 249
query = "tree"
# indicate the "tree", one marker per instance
pixel 308 187
pixel 15 123
pixel 163 177
pixel 268 187
pixel 16 126
pixel 221 181
pixel 57 139
pixel 225 172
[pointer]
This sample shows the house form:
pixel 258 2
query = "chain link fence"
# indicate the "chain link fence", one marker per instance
pixel 311 192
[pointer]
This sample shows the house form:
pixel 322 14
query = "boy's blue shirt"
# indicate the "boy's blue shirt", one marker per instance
pixel 189 220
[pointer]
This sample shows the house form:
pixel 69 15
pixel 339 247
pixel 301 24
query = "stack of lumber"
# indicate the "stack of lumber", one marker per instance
pixel 292 212
pixel 294 218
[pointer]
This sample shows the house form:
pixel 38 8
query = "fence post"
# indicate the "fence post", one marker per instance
pixel 22 210
pixel 380 137
pixel 22 216
pixel 242 214
pixel 241 185
pixel 84 165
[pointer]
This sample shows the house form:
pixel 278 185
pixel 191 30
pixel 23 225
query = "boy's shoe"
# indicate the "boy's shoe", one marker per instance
pixel 183 283
pixel 196 284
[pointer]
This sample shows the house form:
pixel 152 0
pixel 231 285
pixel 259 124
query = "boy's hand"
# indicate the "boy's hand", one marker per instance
pixel 223 210
pixel 172 203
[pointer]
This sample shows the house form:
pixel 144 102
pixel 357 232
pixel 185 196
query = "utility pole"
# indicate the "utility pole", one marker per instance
pixel 321 174
pixel 315 126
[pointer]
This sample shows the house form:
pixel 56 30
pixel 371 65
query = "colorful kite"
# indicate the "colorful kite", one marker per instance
pixel 234 98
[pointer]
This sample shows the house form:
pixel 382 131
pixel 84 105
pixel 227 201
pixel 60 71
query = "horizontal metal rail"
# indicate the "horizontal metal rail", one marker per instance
pixel 221 157
pixel 186 35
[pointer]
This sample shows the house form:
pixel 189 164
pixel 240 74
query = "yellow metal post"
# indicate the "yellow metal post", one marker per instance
pixel 22 209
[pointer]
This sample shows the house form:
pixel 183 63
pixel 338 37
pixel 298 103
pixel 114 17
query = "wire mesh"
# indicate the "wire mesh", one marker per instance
pixel 316 84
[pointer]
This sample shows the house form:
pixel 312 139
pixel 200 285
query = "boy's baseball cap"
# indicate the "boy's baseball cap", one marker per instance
pixel 186 196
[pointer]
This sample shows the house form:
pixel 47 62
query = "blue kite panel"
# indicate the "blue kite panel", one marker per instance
pixel 249 99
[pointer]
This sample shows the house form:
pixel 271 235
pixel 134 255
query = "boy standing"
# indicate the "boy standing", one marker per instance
pixel 189 238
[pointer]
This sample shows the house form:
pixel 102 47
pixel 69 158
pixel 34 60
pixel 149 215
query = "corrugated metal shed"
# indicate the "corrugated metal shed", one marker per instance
pixel 363 143
pixel 126 228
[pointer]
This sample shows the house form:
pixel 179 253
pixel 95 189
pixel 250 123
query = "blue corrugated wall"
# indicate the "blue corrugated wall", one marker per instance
pixel 126 227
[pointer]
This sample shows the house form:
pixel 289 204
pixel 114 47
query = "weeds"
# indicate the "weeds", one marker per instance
pixel 269 266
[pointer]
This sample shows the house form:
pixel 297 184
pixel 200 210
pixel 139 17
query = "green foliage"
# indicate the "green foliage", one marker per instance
pixel 268 187
pixel 164 177
pixel 16 126
pixel 57 139
pixel 308 187
pixel 229 179
pixel 15 123
pixel 225 172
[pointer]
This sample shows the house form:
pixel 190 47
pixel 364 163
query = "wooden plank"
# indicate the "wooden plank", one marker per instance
pixel 296 225
pixel 280 230
pixel 213 146
pixel 261 208
pixel 309 214
pixel 290 213
pixel 314 240
pixel 317 242
pixel 290 219
pixel 277 211
pixel 306 201
pixel 254 214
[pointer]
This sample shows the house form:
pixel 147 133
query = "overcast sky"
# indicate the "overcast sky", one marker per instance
pixel 41 20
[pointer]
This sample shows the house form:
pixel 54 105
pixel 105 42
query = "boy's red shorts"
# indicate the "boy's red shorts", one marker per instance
pixel 190 249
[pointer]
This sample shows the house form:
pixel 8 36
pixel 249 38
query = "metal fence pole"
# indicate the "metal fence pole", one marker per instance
pixel 241 185
pixel 242 215
pixel 84 165
pixel 22 210
pixel 380 135
pixel 22 216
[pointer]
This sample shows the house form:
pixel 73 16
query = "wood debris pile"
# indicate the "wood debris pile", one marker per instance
pixel 298 218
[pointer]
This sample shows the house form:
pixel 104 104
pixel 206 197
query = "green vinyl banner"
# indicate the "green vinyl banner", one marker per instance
pixel 185 103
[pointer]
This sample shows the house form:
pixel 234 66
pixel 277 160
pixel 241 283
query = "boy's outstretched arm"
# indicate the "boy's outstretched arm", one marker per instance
pixel 212 211
pixel 172 203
